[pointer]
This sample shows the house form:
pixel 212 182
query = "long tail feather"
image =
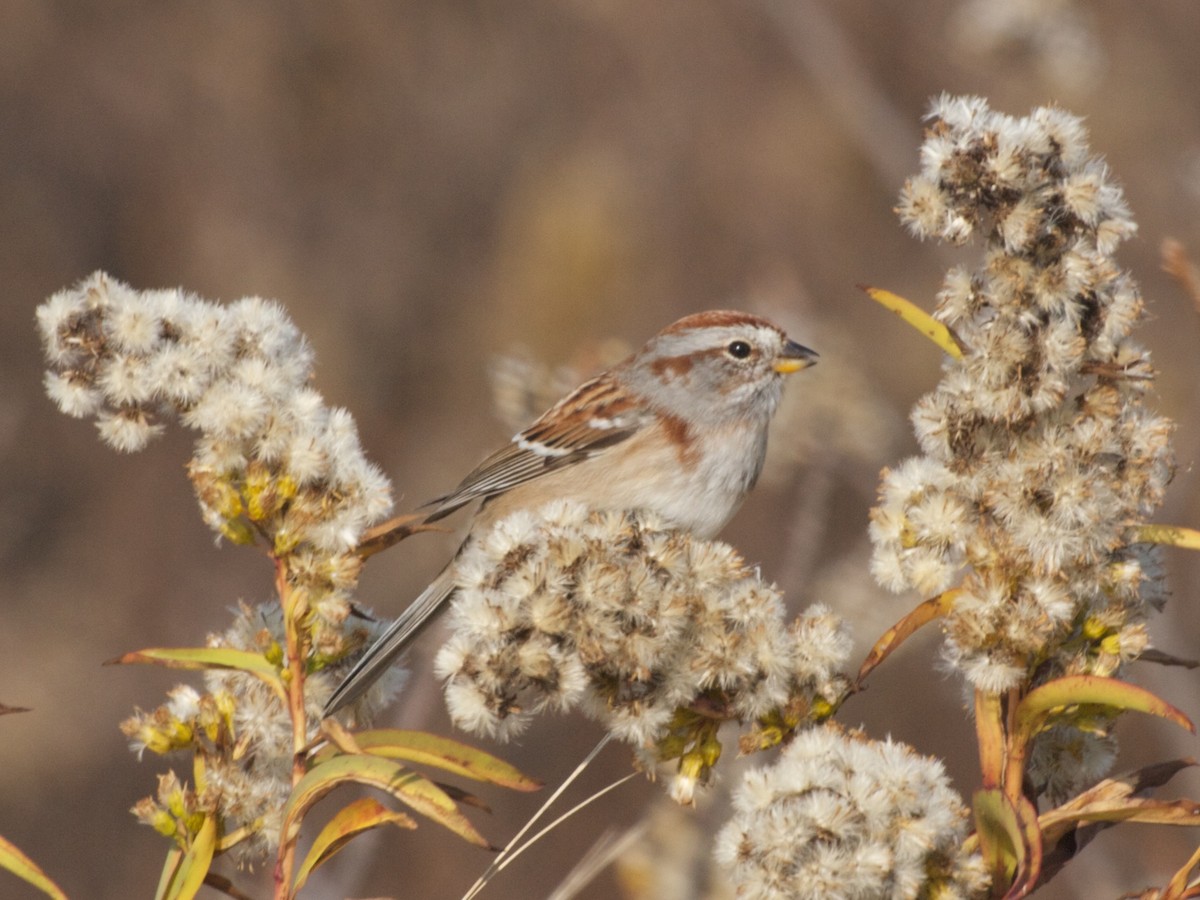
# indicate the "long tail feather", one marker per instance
pixel 380 655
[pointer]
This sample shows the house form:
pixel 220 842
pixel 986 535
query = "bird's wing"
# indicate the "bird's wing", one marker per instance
pixel 596 416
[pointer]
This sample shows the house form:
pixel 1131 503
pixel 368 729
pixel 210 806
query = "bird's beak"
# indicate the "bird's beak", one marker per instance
pixel 794 358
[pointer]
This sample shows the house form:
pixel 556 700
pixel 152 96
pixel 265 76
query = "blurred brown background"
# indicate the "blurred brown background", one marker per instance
pixel 426 185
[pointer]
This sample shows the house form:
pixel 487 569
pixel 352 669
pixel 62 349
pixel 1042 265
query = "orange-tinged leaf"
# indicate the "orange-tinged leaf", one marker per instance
pixel 1151 812
pixel 407 786
pixel 193 864
pixel 1057 822
pixel 917 318
pixel 989 734
pixel 206 658
pixel 1075 690
pixel 931 609
pixel 1177 887
pixel 361 815
pixel 1009 840
pixel 392 532
pixel 439 752
pixel 25 868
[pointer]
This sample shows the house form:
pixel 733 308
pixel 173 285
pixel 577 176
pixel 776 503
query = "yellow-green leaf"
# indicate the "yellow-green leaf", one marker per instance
pixel 23 867
pixel 410 788
pixel 192 865
pixel 439 752
pixel 1009 840
pixel 206 658
pixel 931 609
pixel 167 876
pixel 361 815
pixel 1172 535
pixel 1076 690
pixel 917 318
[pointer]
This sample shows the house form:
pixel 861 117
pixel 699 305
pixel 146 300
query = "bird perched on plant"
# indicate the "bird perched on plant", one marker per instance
pixel 679 428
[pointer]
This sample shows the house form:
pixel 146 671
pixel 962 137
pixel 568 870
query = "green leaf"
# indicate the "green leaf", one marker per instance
pixel 23 867
pixel 439 752
pixel 917 318
pixel 206 658
pixel 1009 839
pixel 170 867
pixel 186 877
pixel 410 788
pixel 361 815
pixel 1056 696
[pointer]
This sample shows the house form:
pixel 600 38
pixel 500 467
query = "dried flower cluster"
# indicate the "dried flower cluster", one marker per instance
pixel 273 464
pixel 241 730
pixel 271 456
pixel 840 816
pixel 1041 457
pixel 637 623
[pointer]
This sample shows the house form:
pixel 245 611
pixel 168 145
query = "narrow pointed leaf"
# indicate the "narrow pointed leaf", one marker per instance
pixel 23 867
pixel 410 788
pixel 167 877
pixel 205 658
pixel 1151 812
pixel 917 318
pixel 931 609
pixel 1009 840
pixel 188 876
pixel 392 532
pixel 1000 839
pixel 1172 535
pixel 1178 885
pixel 439 752
pixel 1075 690
pixel 1056 823
pixel 989 734
pixel 361 815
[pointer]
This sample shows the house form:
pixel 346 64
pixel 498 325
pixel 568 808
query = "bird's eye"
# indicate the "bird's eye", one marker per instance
pixel 738 349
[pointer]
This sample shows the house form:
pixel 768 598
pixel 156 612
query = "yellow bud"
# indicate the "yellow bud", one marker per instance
pixel 691 764
pixel 710 752
pixel 164 823
pixel 285 541
pixel 274 654
pixel 1094 629
pixel 286 487
pixel 237 532
pixel 1111 645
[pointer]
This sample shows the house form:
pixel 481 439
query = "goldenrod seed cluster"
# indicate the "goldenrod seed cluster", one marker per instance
pixel 241 729
pixel 840 816
pixel 1040 454
pixel 654 633
pixel 272 459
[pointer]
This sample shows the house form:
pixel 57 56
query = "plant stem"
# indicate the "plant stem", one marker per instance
pixel 296 655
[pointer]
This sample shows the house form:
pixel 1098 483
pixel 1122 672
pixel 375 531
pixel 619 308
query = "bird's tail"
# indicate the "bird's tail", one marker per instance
pixel 380 655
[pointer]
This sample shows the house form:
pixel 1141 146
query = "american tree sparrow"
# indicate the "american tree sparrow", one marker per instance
pixel 679 428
